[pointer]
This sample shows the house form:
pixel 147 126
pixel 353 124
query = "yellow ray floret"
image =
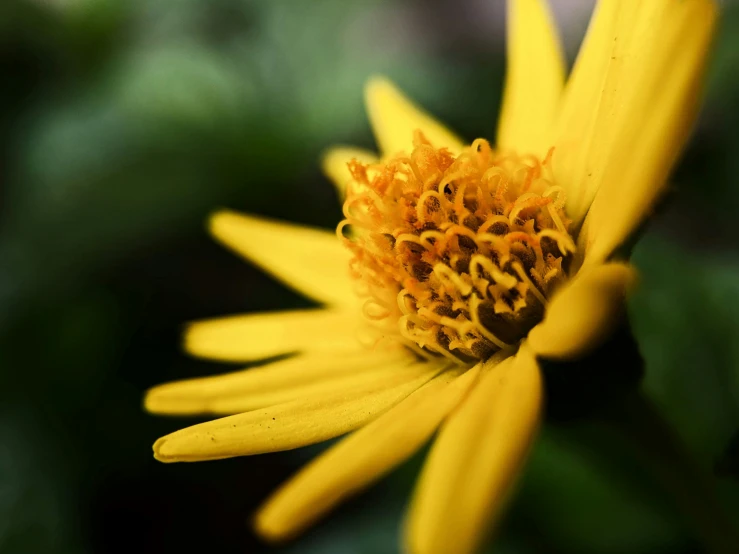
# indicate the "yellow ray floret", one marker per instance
pixel 583 314
pixel 280 381
pixel 638 73
pixel 652 110
pixel 297 423
pixel 364 456
pixel 475 459
pixel 394 119
pixel 534 78
pixel 245 338
pixel 307 259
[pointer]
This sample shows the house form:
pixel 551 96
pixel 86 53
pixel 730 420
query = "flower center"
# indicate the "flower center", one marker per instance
pixel 455 257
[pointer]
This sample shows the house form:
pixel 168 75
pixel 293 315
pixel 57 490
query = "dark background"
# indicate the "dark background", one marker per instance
pixel 123 124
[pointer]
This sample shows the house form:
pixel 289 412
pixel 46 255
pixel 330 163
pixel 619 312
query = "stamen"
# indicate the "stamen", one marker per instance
pixel 455 257
pixel 525 278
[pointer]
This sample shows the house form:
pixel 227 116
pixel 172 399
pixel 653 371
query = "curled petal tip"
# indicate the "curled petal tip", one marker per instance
pixel 157 448
pixel 163 451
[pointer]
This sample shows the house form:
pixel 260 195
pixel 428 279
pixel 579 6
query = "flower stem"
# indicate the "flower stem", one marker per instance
pixel 664 455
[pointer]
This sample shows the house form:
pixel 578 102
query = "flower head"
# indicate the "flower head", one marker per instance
pixel 470 263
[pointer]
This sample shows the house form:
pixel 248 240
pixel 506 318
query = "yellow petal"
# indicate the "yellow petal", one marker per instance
pixel 277 382
pixel 334 164
pixel 583 103
pixel 252 337
pixel 475 459
pixel 363 457
pixel 583 313
pixel 629 104
pixel 653 120
pixel 534 78
pixel 297 423
pixel 394 118
pixel 312 261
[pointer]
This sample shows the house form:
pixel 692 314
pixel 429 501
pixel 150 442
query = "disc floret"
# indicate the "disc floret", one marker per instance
pixel 455 256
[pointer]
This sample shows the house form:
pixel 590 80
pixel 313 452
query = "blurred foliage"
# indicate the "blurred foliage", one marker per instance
pixel 123 124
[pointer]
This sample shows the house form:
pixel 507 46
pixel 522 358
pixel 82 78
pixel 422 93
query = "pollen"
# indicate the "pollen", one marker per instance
pixel 455 256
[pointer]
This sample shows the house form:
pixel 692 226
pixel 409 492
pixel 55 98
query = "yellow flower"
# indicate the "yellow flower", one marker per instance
pixel 457 267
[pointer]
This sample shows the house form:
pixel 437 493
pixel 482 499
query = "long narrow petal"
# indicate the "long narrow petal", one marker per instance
pixel 312 261
pixel 584 101
pixel 296 423
pixel 638 74
pixel 274 383
pixel 473 463
pixel 363 457
pixel 334 164
pixel 394 119
pixel 653 119
pixel 534 78
pixel 581 315
pixel 245 338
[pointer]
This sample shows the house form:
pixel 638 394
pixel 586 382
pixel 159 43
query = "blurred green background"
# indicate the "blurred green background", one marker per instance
pixel 124 123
